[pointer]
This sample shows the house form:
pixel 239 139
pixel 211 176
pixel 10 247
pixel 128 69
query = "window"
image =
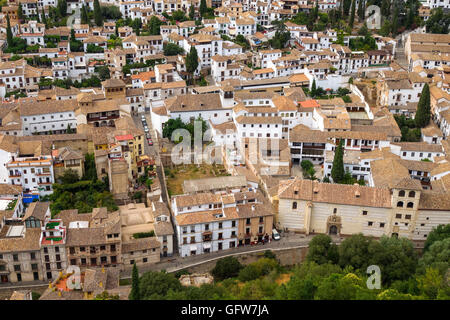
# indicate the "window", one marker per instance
pixel 401 193
pixel 364 213
pixel 400 204
pixel 410 205
pixel 15 257
pixel 370 223
pixel 381 224
pixel 412 194
pixel 408 216
pixel 398 216
pixel 17 267
pixel 294 205
pixel 335 210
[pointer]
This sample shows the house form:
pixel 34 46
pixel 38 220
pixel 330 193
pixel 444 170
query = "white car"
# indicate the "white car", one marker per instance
pixel 143 118
pixel 275 235
pixel 146 129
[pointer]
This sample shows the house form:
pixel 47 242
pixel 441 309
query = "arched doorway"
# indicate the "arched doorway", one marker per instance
pixel 333 230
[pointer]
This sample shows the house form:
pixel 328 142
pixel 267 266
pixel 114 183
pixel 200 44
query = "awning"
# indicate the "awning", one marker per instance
pixel 207 245
pixel 193 248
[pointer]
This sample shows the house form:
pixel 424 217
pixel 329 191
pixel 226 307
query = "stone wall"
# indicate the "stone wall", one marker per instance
pixel 286 257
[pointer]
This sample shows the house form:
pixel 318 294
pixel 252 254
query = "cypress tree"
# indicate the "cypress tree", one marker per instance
pixel 191 12
pixel 313 88
pixel 98 17
pixel 361 9
pixel 62 8
pixel 192 60
pixel 135 294
pixel 84 15
pixel 423 113
pixel 352 14
pixel 395 22
pixel 385 8
pixel 20 12
pixel 9 35
pixel 337 172
pixel 203 7
pixel 346 7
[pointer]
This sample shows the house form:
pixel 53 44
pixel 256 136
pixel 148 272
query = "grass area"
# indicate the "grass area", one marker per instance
pixel 54 238
pixel 176 176
pixel 124 282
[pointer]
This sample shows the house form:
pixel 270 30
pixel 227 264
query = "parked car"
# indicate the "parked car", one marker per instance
pixel 275 235
pixel 146 129
pixel 147 135
pixel 150 142
pixel 142 117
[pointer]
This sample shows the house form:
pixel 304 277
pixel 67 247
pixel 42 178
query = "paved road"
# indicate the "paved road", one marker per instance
pixel 175 263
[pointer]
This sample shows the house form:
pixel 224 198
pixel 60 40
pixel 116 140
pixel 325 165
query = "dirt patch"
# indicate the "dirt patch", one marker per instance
pixel 177 175
pixel 283 278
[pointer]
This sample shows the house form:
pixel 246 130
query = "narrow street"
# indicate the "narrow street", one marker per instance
pixel 175 263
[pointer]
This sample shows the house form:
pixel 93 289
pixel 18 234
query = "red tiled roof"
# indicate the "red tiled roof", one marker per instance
pixel 309 104
pixel 124 137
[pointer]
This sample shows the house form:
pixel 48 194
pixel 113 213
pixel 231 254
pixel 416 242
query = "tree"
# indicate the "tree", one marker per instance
pixel 172 49
pixel 84 15
pixel 62 8
pixel 346 7
pixel 227 267
pixel 98 17
pixel 192 60
pixel 322 250
pixel 103 72
pixel 155 26
pixel 437 256
pixel 191 12
pixel 135 293
pixel 396 258
pixel 394 26
pixel 43 18
pixel 431 283
pixel 361 10
pixel 313 90
pixel 156 285
pixel 354 251
pixel 438 22
pixel 385 8
pixel 439 233
pixel 20 12
pixel 9 36
pixel 423 113
pixel 70 176
pixel 352 14
pixel 203 7
pixel 308 170
pixel 337 172
pixel 280 39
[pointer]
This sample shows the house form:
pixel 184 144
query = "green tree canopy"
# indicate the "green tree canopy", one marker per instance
pixel 322 250
pixel 98 16
pixel 172 49
pixel 135 293
pixel 438 233
pixel 156 285
pixel 227 267
pixel 337 172
pixel 423 113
